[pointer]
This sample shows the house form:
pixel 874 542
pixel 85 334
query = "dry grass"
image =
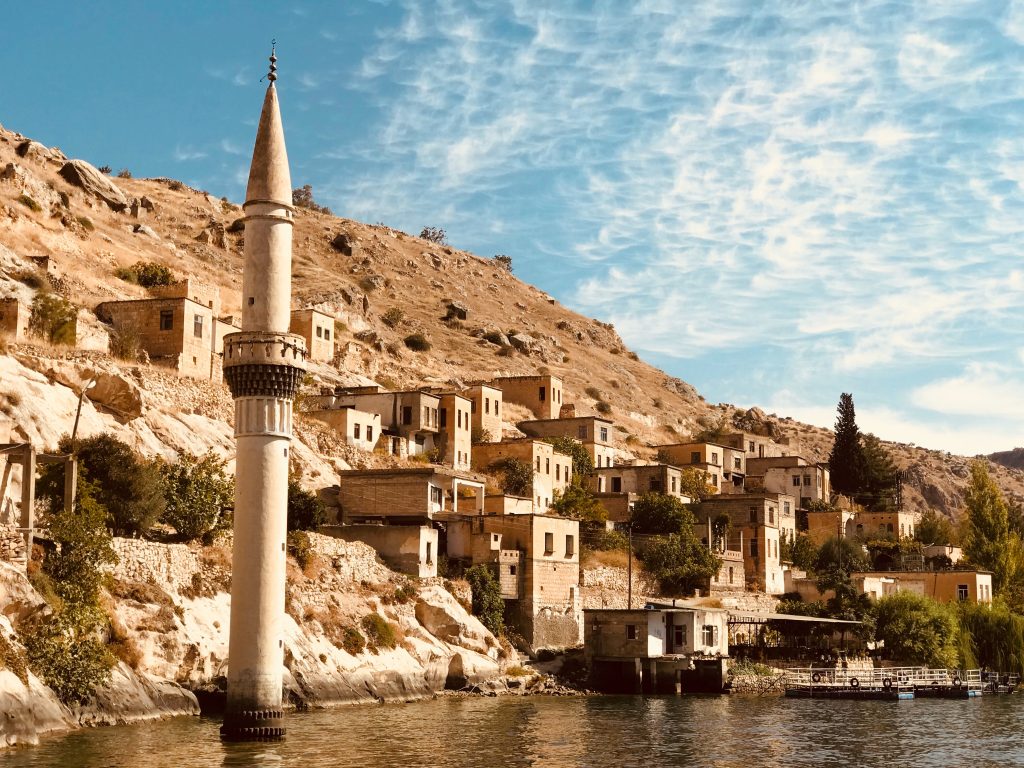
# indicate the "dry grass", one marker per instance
pixel 610 558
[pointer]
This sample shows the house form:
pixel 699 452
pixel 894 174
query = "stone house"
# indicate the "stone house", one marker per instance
pixel 542 394
pixel 317 328
pixel 406 496
pixel 659 648
pixel 724 466
pixel 486 412
pixel 829 523
pixel 753 446
pixel 359 429
pixel 880 525
pixel 639 479
pixel 552 471
pixel 537 557
pixel 455 442
pixel 179 328
pixel 944 586
pixel 756 517
pixel 794 475
pixel 595 433
pixel 410 549
pixel 14 319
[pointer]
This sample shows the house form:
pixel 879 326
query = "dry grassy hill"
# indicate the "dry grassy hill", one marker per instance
pixel 359 277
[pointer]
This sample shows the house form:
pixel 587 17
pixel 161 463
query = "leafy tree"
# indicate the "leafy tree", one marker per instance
pixel 579 503
pixel 846 461
pixel 988 542
pixel 935 528
pixel 582 464
pixel 53 319
pixel 837 559
pixel 128 487
pixel 679 562
pixel 199 495
pixel 516 477
pixel 659 513
pixel 302 197
pixel 694 483
pixel 488 605
pixel 995 635
pixel 800 550
pixel 305 510
pixel 504 261
pixel 434 235
pixel 879 490
pixel 917 630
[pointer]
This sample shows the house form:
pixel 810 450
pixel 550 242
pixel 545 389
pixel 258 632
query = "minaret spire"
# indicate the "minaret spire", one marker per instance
pixel 263 365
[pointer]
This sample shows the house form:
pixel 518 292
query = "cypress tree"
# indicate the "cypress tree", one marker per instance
pixel 846 462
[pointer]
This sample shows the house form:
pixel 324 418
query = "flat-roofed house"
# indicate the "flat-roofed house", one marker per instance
pixel 552 471
pixel 807 481
pixel 359 429
pixel 639 479
pixel 486 412
pixel 407 495
pixel 595 433
pixel 14 319
pixel 455 426
pixel 542 394
pixel 317 328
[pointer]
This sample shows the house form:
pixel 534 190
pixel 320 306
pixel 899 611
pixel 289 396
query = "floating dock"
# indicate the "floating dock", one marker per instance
pixel 886 683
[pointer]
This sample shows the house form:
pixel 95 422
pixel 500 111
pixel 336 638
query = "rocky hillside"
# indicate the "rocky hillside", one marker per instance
pixel 362 274
pixel 1013 459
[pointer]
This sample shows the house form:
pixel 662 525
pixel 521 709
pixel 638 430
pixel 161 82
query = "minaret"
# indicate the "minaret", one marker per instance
pixel 263 365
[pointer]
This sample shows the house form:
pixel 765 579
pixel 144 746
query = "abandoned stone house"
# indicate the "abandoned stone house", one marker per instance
pixel 317 328
pixel 552 471
pixel 793 475
pixel 455 443
pixel 406 496
pixel 595 433
pixel 537 561
pixel 14 319
pixel 639 479
pixel 486 411
pixel 943 585
pixel 359 429
pixel 724 466
pixel 410 549
pixel 178 328
pixel 542 394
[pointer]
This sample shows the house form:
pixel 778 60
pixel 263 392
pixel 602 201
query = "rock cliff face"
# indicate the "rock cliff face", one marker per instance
pixel 171 604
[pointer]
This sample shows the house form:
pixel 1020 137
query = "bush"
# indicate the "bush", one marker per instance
pixel 29 203
pixel 393 317
pixel 125 341
pixel 405 593
pixel 593 393
pixel 175 186
pixel 302 197
pixel 148 274
pixel 305 510
pixel 602 407
pixel 917 630
pixel 199 495
pixel 379 633
pixel 352 641
pixel 54 319
pixel 435 235
pixel 578 503
pixel 679 562
pixel 300 548
pixel 86 223
pixel 105 169
pixel 124 173
pixel 504 261
pixel 488 605
pixel 417 342
pixel 516 477
pixel 68 656
pixel 128 488
pixel 13 659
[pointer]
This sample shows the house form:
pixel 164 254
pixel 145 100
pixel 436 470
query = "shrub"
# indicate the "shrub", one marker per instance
pixel 54 319
pixel 479 435
pixel 516 477
pixel 488 605
pixel 29 203
pixel 405 593
pixel 124 173
pixel 353 641
pixel 199 495
pixel 86 223
pixel 435 235
pixel 175 185
pixel 300 548
pixel 105 169
pixel 504 261
pixel 393 317
pixel 417 342
pixel 68 656
pixel 305 510
pixel 13 659
pixel 302 197
pixel 125 341
pixel 148 274
pixel 379 632
pixel 602 407
pixel 593 393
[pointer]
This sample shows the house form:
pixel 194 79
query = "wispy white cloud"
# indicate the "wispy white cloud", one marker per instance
pixel 187 153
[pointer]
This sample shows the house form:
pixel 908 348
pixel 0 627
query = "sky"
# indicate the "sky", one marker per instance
pixel 775 201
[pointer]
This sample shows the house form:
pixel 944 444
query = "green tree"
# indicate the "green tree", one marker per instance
pixel 128 487
pixel 659 513
pixel 488 605
pixel 694 483
pixel 935 528
pixel 199 495
pixel 679 562
pixel 305 510
pixel 582 464
pixel 846 462
pixel 53 319
pixel 988 541
pixel 995 635
pixel 516 477
pixel 799 550
pixel 917 630
pixel 578 503
pixel 878 492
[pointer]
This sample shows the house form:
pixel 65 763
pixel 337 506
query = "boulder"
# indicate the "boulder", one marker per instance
pixel 344 244
pixel 114 392
pixel 442 616
pixel 457 311
pixel 33 149
pixel 142 229
pixel 524 343
pixel 214 234
pixel 92 182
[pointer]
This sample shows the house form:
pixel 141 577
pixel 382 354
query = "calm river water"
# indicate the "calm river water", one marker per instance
pixel 604 732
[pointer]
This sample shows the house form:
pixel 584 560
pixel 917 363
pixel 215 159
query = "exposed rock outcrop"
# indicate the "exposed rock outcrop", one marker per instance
pixel 92 182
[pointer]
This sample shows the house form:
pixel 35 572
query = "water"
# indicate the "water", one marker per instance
pixel 603 732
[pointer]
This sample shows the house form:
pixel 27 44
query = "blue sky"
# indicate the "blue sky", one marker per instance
pixel 775 201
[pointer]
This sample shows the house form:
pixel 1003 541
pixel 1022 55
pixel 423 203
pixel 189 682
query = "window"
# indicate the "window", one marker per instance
pixel 714 480
pixel 558 471
pixel 319 332
pixel 751 446
pixel 570 546
pixel 369 433
pixel 549 543
pixel 753 514
pixel 961 592
pixel 771 514
pixel 581 431
pixel 631 631
pixel 558 396
pixel 598 460
pixel 430 552
pixel 327 333
pixel 444 417
pixel 737 463
pixel 197 326
pixel 407 414
pixel 511 570
pixel 426 415
pixel 710 635
pixel 673 484
pixel 355 431
pixel 888 527
pixel 487 405
pixel 753 547
pixel 807 479
pixel 695 457
pixel 796 481
pixel 547 466
pixel 538 464
pixel 785 508
pixel 655 484
pixel 730 574
pixel 436 496
pixel 541 394
pixel 616 485
pixel 472 407
pixel 166 319
pixel 496 408
pixel 604 434
pixel 459 413
pixel 679 635
pixel 714 458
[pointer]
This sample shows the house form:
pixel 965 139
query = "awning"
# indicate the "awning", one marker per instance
pixel 737 617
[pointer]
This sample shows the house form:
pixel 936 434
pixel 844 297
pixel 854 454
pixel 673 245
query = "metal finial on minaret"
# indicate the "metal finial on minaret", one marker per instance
pixel 272 75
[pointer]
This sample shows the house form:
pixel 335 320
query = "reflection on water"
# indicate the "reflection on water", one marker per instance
pixel 603 732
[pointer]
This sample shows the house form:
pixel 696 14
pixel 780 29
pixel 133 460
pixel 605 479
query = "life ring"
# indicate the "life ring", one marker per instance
pixel 854 682
pixel 816 677
pixel 887 683
pixel 935 682
pixel 956 682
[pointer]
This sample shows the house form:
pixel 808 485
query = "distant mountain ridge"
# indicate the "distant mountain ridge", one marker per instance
pixel 1012 459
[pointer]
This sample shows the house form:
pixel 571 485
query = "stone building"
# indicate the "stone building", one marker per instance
pixel 552 471
pixel 486 412
pixel 359 429
pixel 793 475
pixel 595 433
pixel 753 446
pixel 406 496
pixel 410 549
pixel 317 328
pixel 879 525
pixel 941 585
pixel 409 420
pixel 455 439
pixel 639 479
pixel 725 467
pixel 542 394
pixel 14 319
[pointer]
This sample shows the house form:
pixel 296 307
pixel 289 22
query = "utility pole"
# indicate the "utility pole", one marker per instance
pixel 629 569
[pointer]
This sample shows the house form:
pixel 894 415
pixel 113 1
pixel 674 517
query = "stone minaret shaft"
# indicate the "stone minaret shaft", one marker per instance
pixel 263 365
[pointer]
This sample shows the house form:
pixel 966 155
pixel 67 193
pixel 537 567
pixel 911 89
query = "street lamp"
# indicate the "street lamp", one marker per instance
pixel 78 414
